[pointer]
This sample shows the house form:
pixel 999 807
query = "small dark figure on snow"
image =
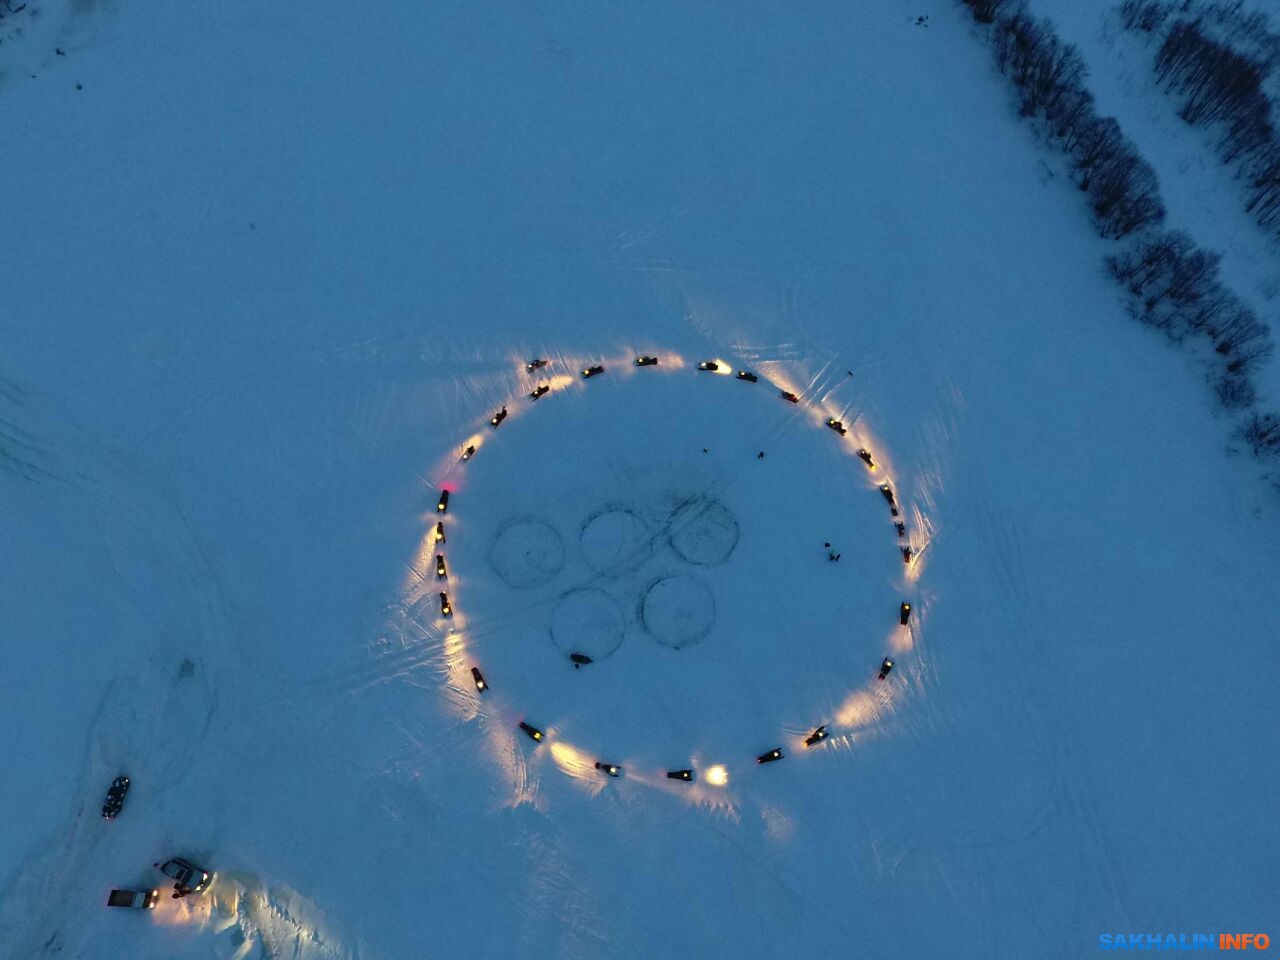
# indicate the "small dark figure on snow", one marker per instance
pixel 760 455
pixel 704 449
pixel 832 556
pixel 59 51
pixel 922 21
pixel 580 659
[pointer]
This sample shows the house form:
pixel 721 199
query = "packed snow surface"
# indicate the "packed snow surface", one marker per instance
pixel 273 267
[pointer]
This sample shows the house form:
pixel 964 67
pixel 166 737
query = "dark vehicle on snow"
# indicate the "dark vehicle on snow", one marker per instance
pixel 817 736
pixel 481 684
pixel 610 768
pixel 710 366
pixel 590 372
pixel 646 361
pixel 496 420
pixel 542 391
pixel 747 375
pixel 837 426
pixel 115 797
pixel 788 396
pixel 885 666
pixel 534 733
pixel 685 775
pixel 772 755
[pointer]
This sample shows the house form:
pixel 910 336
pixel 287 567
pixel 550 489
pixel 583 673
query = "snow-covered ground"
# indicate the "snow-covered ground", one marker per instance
pixel 271 268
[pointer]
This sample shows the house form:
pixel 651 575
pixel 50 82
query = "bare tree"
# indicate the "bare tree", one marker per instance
pixel 1235 392
pixel 1261 431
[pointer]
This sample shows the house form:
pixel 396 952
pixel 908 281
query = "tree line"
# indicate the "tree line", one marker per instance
pixel 1048 77
pixel 1170 282
pixel 1217 59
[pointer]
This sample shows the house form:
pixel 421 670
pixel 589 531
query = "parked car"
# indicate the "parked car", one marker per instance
pixel 186 876
pixel 115 797
pixel 134 899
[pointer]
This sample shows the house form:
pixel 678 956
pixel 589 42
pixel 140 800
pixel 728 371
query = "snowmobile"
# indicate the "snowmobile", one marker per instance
pixel 441 572
pixel 590 372
pixel 478 677
pixel 609 768
pixel 906 554
pixel 439 531
pixel 888 494
pixel 540 392
pixel 534 733
pixel 580 660
pixel 442 505
pixel 788 396
pixel 115 797
pixel 533 365
pixel 747 376
pixel 134 899
pixel 865 456
pixel 817 736
pixel 445 609
pixel 904 613
pixel 646 361
pixel 496 420
pixel 885 666
pixel 837 426
pixel 468 453
pixel 710 366
pixel 902 529
pixel 685 775
pixel 772 755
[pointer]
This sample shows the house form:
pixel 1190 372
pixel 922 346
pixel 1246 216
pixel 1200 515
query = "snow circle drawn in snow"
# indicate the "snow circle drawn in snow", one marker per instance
pixel 678 611
pixel 587 622
pixel 615 541
pixel 527 552
pixel 703 531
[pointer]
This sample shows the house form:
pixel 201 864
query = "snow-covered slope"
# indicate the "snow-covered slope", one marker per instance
pixel 273 266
